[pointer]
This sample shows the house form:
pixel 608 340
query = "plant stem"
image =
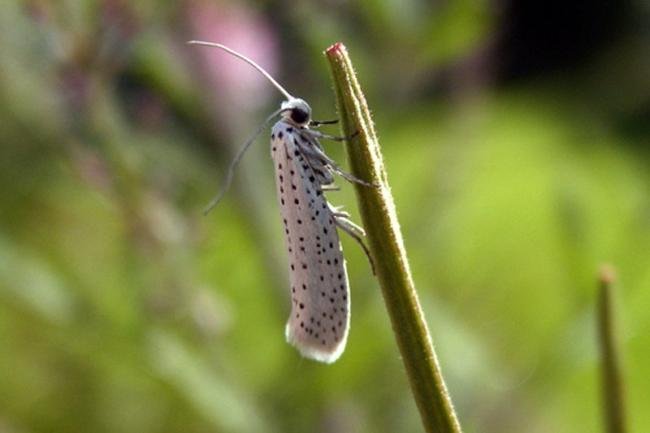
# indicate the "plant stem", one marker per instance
pixel 387 249
pixel 612 382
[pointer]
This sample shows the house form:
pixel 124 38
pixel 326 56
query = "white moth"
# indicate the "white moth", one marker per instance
pixel 320 298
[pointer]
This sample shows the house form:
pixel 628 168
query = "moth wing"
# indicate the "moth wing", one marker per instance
pixel 320 300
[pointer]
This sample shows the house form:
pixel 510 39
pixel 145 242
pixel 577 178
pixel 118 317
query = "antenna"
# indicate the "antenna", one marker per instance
pixel 231 169
pixel 247 60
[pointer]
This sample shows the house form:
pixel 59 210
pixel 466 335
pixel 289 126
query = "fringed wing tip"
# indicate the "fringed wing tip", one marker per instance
pixel 327 355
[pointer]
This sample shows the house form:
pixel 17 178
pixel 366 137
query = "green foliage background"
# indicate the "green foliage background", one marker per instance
pixel 123 309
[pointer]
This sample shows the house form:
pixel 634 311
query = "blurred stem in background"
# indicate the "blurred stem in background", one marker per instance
pixel 387 248
pixel 612 374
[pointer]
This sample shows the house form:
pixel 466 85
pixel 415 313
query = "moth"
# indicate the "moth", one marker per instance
pixel 320 297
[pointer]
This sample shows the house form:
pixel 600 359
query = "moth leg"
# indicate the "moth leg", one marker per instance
pixel 351 178
pixel 316 152
pixel 330 187
pixel 318 134
pixel 319 154
pixel 357 233
pixel 312 158
pixel 337 211
pixel 344 218
pixel 317 123
pixel 321 170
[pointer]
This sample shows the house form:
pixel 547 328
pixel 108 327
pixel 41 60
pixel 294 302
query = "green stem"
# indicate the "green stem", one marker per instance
pixel 612 382
pixel 387 249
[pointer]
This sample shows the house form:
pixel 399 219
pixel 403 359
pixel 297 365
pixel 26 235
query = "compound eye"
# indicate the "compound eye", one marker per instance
pixel 299 116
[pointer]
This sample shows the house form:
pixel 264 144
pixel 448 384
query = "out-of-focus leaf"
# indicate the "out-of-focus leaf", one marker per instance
pixel 30 281
pixel 212 397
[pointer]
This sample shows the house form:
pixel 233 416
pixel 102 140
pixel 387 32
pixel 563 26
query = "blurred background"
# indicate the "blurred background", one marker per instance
pixel 517 141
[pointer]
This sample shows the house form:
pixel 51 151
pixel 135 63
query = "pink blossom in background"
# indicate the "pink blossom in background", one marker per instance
pixel 227 78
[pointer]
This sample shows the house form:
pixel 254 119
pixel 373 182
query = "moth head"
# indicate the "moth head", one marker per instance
pixel 296 111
